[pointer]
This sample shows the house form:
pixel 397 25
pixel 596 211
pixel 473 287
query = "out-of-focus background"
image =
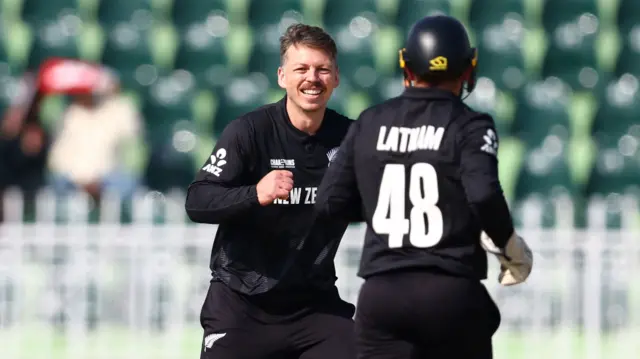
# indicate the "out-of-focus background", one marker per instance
pixel 98 259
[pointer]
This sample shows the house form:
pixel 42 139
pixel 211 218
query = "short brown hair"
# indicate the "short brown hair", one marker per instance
pixel 307 35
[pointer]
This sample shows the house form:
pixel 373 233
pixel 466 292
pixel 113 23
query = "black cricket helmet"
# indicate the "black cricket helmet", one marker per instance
pixel 438 49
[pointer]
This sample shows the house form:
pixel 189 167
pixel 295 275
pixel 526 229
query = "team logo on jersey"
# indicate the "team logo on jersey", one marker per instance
pixel 331 155
pixel 282 163
pixel 212 338
pixel 490 143
pixel 216 162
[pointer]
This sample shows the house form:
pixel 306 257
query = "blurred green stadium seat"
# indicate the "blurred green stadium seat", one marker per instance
pixel 616 168
pixel 265 61
pixel 127 50
pixel 628 15
pixel 10 88
pixel 56 38
pixel 349 101
pixel 113 12
pixel 274 16
pixel 171 162
pixel 269 21
pixel 208 39
pixel 186 13
pixel 168 104
pixel 387 87
pixel 577 65
pixel 488 13
pixel 618 111
pixel 4 55
pixel 170 131
pixel 241 95
pixel 339 13
pixel 486 98
pixel 202 51
pixel 338 99
pixel 356 34
pixel 36 11
pixel 359 71
pixel 556 14
pixel 546 171
pixel 542 110
pixel 628 61
pixel 616 131
pixel 572 27
pixel 500 34
pixel 410 11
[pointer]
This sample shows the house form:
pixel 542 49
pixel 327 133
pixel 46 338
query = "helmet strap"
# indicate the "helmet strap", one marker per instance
pixel 407 78
pixel 405 71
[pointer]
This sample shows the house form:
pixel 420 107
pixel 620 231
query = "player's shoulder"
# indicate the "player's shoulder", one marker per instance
pixel 466 113
pixel 382 109
pixel 338 122
pixel 257 120
pixel 467 118
pixel 377 114
pixel 261 115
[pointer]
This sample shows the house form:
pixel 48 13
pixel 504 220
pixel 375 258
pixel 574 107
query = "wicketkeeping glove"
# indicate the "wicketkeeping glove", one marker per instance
pixel 516 260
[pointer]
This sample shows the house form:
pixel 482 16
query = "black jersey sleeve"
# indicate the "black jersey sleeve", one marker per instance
pixel 338 194
pixel 478 143
pixel 221 190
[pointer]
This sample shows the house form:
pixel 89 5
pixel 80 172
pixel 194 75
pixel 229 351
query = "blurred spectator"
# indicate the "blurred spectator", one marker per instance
pixel 23 148
pixel 87 149
pixel 24 144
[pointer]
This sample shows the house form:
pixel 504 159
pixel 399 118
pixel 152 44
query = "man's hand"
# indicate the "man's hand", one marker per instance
pixel 275 185
pixel 516 260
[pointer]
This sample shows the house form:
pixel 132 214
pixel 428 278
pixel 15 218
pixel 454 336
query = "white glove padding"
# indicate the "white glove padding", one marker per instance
pixel 516 260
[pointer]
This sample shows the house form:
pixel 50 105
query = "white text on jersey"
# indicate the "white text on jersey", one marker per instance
pixel 307 195
pixel 404 139
pixel 282 163
pixel 216 162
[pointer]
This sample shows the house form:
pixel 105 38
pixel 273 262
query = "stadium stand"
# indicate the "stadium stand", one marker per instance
pixel 549 63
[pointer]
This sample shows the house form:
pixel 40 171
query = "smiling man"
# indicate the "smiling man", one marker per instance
pixel 273 293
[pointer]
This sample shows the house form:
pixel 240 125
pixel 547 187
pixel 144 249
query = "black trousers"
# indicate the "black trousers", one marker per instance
pixel 235 329
pixel 424 315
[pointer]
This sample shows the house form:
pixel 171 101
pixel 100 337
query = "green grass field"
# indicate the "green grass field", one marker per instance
pixel 39 343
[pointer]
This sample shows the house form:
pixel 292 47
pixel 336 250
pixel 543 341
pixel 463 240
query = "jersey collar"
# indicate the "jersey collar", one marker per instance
pixel 300 135
pixel 429 93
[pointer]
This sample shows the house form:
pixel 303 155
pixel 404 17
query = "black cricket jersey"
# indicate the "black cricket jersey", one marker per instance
pixel 423 166
pixel 282 246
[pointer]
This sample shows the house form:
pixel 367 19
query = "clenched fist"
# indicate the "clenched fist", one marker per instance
pixel 275 185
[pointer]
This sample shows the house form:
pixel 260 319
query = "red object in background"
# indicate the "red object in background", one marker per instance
pixel 71 77
pixel 56 76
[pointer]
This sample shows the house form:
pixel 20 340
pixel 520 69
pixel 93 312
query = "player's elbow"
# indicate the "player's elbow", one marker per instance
pixel 197 209
pixel 479 190
pixel 198 216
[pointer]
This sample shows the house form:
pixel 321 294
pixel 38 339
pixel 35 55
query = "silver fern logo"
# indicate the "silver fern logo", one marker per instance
pixel 331 155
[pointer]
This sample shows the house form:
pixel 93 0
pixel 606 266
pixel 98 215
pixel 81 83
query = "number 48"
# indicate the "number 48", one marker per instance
pixel 390 218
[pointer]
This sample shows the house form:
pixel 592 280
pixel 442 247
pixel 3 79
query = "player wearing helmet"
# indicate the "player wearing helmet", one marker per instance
pixel 423 169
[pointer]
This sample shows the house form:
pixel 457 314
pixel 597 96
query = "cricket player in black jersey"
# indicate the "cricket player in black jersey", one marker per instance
pixel 273 292
pixel 423 169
